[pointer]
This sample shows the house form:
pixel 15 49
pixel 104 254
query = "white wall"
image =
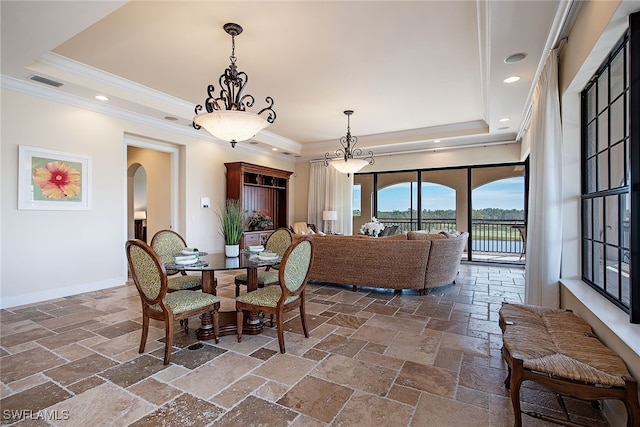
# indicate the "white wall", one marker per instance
pixel 49 254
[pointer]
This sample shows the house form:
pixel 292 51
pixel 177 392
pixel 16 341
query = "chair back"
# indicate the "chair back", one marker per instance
pixel 279 241
pixel 147 270
pixel 167 243
pixel 295 266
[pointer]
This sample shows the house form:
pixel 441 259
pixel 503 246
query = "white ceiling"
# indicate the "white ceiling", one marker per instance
pixel 413 71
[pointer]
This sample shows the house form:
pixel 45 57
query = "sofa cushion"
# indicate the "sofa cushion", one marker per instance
pixel 423 235
pixel 394 237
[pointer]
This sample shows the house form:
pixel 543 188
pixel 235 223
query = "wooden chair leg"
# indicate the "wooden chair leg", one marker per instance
pixel 145 332
pixel 168 344
pixel 279 326
pixel 239 319
pixel 514 386
pixel 216 327
pixel 303 318
pixel 186 324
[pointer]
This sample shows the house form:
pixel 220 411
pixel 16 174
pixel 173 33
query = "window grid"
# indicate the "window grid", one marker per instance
pixel 606 263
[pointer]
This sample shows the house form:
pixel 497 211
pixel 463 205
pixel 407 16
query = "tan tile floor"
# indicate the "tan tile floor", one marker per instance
pixel 374 358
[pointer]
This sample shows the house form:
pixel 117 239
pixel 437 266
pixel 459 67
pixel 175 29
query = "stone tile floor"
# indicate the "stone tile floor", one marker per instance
pixel 373 357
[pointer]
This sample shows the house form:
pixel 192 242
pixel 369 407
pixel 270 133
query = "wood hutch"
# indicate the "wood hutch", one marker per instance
pixel 259 188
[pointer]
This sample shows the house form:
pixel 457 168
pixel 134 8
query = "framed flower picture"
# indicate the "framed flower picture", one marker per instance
pixel 53 180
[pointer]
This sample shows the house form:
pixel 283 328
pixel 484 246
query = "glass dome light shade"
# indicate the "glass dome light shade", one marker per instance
pixel 349 166
pixel 229 125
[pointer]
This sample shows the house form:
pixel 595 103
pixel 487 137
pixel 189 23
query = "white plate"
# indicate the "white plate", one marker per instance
pixel 268 257
pixel 256 248
pixel 186 261
pixel 189 251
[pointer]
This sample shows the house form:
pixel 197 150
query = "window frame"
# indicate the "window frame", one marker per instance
pixel 598 199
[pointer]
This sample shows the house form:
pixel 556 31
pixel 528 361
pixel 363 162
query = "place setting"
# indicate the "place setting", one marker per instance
pixel 259 251
pixel 188 257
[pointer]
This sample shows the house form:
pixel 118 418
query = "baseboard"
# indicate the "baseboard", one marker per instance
pixel 36 297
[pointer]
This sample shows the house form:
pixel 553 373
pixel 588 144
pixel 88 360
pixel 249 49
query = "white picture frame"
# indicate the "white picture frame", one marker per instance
pixel 53 180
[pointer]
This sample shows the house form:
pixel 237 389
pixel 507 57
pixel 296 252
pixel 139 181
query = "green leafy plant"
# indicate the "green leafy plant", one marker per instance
pixel 232 221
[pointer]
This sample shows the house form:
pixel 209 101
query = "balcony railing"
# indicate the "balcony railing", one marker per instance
pixel 488 236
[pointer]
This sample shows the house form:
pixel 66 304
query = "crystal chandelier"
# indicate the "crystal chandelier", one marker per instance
pixel 226 117
pixel 344 160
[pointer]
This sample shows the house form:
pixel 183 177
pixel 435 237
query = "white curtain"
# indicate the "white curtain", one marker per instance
pixel 544 223
pixel 330 190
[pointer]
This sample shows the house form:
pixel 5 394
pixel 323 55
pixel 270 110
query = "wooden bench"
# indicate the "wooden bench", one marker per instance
pixel 558 350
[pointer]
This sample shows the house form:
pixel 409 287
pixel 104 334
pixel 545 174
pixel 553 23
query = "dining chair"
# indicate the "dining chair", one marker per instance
pixel 277 242
pixel 150 278
pixel 167 243
pixel 275 300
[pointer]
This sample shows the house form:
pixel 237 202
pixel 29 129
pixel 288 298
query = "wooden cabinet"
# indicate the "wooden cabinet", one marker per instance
pixel 254 238
pixel 259 188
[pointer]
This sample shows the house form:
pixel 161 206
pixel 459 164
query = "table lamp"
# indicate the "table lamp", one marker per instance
pixel 329 217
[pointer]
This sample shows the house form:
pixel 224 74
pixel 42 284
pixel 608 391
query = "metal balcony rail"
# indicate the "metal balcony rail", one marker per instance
pixel 487 235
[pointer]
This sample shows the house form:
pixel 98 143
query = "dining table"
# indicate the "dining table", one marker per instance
pixel 208 264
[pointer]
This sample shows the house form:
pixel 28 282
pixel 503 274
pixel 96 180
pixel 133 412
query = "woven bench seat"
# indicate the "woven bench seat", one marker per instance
pixel 557 349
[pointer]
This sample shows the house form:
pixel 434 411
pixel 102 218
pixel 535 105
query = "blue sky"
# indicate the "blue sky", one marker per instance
pixel 504 194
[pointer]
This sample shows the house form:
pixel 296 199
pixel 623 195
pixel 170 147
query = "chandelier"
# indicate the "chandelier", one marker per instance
pixel 226 117
pixel 344 160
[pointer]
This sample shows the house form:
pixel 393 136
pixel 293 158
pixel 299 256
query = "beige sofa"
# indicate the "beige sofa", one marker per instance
pixel 416 260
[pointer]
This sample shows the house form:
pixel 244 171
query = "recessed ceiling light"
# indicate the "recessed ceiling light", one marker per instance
pixel 511 79
pixel 101 98
pixel 504 119
pixel 436 140
pixel 274 149
pixel 516 57
pixel 171 118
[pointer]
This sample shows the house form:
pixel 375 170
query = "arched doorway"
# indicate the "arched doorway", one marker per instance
pixel 137 202
pixel 158 164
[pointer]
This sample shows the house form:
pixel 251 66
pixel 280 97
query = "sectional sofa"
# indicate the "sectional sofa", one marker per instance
pixel 416 260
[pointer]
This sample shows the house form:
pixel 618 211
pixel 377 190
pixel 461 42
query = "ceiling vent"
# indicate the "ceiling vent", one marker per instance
pixel 46 81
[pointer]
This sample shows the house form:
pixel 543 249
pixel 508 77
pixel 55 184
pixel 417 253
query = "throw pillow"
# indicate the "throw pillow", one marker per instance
pixel 423 235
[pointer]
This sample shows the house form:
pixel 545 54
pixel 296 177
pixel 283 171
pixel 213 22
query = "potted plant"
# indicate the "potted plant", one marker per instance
pixel 260 220
pixel 232 222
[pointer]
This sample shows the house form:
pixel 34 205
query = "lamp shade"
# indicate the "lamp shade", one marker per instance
pixel 349 166
pixel 329 215
pixel 140 215
pixel 231 125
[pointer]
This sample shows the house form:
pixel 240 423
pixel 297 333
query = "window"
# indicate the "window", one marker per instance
pixel 607 190
pixel 440 199
pixel 357 199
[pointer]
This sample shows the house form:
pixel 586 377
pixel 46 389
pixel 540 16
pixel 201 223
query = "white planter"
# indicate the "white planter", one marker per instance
pixel 232 262
pixel 232 250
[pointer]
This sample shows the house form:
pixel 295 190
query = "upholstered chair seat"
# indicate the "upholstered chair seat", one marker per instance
pixel 266 297
pixel 264 278
pixel 185 300
pixel 179 283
